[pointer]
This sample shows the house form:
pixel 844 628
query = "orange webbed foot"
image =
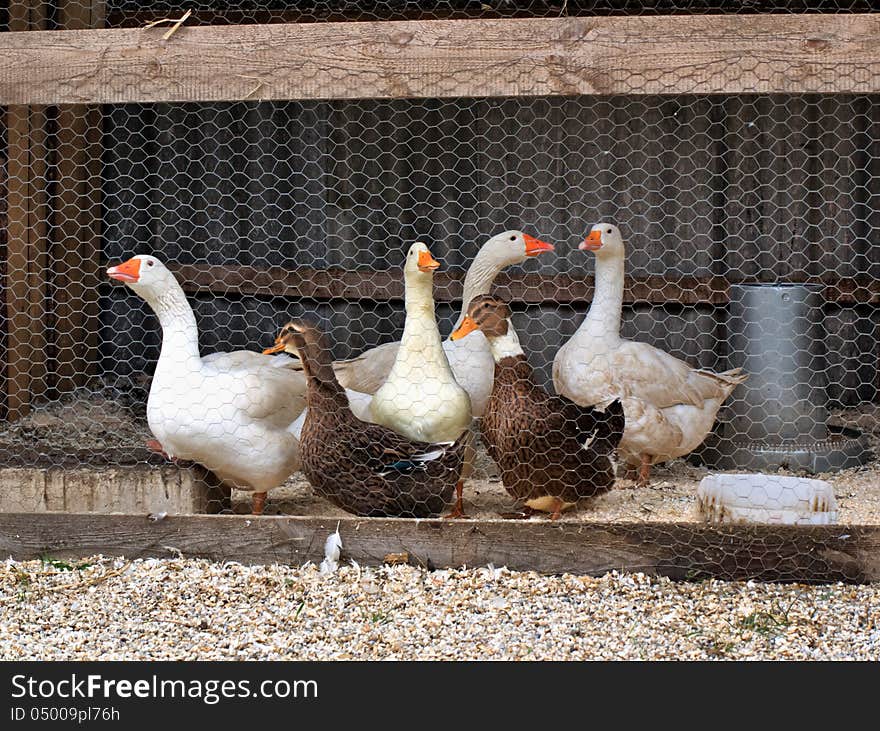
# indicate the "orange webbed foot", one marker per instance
pixel 458 510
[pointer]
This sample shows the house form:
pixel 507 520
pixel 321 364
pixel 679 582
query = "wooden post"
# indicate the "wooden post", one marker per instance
pixel 76 227
pixel 27 246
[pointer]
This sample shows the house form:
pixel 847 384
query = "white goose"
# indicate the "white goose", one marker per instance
pixel 470 358
pixel 231 412
pixel 421 398
pixel 669 406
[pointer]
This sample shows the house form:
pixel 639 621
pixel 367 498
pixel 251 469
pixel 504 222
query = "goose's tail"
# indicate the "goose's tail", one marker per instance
pixel 729 380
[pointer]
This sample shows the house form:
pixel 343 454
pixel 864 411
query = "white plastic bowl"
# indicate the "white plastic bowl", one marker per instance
pixel 758 498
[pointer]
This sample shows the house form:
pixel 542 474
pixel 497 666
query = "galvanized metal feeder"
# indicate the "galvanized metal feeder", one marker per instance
pixel 779 417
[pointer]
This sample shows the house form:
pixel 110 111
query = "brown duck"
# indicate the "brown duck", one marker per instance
pixel 552 452
pixel 364 468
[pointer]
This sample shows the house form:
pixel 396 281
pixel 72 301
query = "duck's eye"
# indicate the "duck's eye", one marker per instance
pixel 513 238
pixel 608 231
pixel 149 263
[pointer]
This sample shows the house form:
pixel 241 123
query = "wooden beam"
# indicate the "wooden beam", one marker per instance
pixel 4 232
pixel 77 225
pixel 697 54
pixel 385 285
pixel 691 551
pixel 27 237
pixel 313 14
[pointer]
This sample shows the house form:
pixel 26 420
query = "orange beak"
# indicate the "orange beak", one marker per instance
pixel 593 242
pixel 427 263
pixel 536 246
pixel 466 328
pixel 129 271
pixel 277 348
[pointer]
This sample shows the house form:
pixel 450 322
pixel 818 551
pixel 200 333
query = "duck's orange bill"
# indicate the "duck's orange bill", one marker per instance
pixel 536 246
pixel 277 348
pixel 466 328
pixel 129 271
pixel 593 242
pixel 427 263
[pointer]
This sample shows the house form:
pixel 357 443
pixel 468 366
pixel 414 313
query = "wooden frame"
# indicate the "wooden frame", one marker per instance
pixel 76 248
pixel 383 286
pixel 698 54
pixel 53 247
pixel 689 551
pixel 27 243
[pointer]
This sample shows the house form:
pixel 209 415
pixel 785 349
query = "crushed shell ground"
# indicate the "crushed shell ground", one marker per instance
pixel 177 609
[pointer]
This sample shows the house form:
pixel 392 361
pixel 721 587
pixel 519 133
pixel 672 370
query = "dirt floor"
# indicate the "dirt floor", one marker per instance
pixel 109 429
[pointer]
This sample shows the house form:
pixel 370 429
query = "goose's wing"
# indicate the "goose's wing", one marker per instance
pixel 250 359
pixel 367 372
pixel 661 379
pixel 359 404
pixel 261 387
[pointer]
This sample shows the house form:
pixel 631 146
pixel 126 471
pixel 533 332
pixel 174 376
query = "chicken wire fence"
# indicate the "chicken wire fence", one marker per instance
pixel 750 226
pixel 135 13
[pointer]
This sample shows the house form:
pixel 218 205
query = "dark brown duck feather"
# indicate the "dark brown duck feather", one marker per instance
pixel 365 468
pixel 546 445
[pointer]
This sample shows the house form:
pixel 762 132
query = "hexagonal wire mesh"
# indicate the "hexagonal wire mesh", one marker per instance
pixel 267 212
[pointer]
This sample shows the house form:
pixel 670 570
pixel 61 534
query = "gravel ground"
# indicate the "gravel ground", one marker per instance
pixel 110 609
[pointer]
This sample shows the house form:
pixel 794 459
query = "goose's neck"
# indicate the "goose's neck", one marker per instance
pixel 180 335
pixel 505 346
pixel 603 319
pixel 478 280
pixel 420 331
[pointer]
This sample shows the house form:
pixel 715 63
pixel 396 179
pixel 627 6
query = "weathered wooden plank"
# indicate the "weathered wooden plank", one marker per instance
pixel 3 265
pixel 399 172
pixel 381 285
pixel 679 550
pixel 139 14
pixel 76 248
pixel 648 163
pixel 446 58
pixel 27 237
pixel 533 288
pixel 851 354
pixel 102 489
pixel 76 230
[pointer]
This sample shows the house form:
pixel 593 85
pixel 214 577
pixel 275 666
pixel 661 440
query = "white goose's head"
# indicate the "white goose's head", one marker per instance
pixel 419 265
pixel 146 275
pixel 605 241
pixel 512 247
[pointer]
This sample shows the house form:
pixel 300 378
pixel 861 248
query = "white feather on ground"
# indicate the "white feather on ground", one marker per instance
pixel 332 551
